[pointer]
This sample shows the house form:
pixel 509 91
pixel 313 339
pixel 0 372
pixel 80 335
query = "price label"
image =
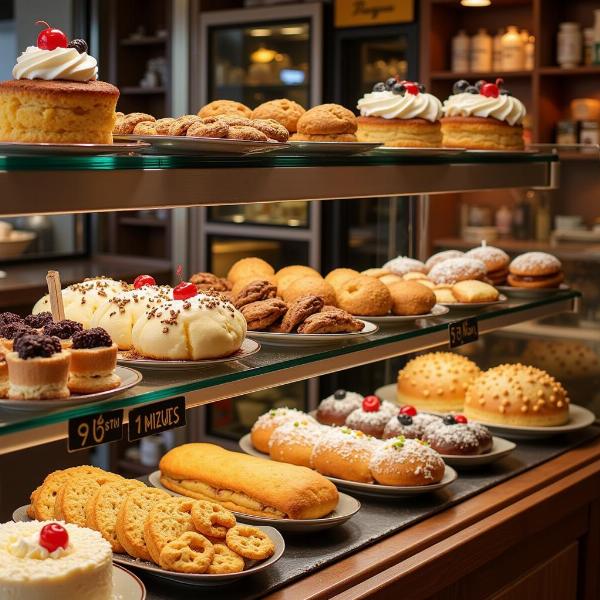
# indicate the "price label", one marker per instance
pixel 463 332
pixel 157 417
pixel 93 430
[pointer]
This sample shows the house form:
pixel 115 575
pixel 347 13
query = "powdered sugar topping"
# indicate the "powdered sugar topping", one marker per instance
pixel 403 264
pixel 422 459
pixel 278 416
pixel 531 262
pixel 457 269
pixel 302 431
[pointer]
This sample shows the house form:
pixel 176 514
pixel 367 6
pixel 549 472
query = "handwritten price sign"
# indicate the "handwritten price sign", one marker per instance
pixel 93 430
pixel 463 332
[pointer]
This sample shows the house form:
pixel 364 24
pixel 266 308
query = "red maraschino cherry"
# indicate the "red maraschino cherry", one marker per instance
pixel 184 289
pixel 460 419
pixel 490 90
pixel 371 403
pixel 53 536
pixel 409 410
pixel 411 88
pixel 142 280
pixel 50 38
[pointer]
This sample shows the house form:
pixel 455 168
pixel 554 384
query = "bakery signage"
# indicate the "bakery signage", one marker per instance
pixel 463 332
pixel 157 417
pixel 93 430
pixel 357 13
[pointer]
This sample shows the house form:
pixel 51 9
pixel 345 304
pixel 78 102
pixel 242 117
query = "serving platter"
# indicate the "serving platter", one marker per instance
pixel 368 489
pixel 47 149
pixel 500 449
pixel 437 311
pixel 199 146
pixel 126 585
pixel 417 152
pixel 248 348
pixel 311 339
pixel 129 378
pixel 467 305
pixel 305 147
pixel 347 507
pixel 531 293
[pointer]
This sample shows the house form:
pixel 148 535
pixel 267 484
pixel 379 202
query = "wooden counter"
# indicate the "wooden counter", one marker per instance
pixel 536 536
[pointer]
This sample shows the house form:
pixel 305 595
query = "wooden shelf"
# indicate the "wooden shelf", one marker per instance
pixel 141 91
pixel 151 40
pixel 583 70
pixel 143 222
pixel 491 76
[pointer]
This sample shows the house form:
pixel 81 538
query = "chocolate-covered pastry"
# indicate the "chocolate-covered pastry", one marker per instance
pixel 64 329
pixel 262 314
pixel 11 330
pixel 9 317
pixel 299 311
pixel 36 345
pixel 38 320
pixel 95 337
pixel 255 291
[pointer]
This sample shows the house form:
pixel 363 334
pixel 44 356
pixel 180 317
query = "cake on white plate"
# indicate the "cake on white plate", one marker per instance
pixel 44 560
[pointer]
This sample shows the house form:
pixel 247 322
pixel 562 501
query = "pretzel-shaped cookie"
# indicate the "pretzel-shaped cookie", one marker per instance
pixel 212 519
pixel 189 553
pixel 225 561
pixel 250 542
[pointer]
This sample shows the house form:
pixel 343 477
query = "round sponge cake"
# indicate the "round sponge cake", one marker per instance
pixel 515 394
pixel 57 111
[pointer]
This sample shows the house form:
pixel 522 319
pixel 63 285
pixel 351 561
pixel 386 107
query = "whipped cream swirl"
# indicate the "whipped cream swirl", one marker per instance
pixel 29 547
pixel 502 108
pixel 388 105
pixel 60 63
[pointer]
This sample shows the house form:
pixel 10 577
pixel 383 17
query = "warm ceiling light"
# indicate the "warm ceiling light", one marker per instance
pixel 475 2
pixel 297 30
pixel 260 32
pixel 263 55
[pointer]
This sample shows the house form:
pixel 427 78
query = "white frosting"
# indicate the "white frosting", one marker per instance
pixel 503 108
pixel 388 105
pixel 29 547
pixel 60 63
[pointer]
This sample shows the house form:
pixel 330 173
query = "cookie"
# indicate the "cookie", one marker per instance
pixel 327 119
pixel 224 107
pixel 188 553
pixel 145 128
pixel 232 120
pixel 243 132
pixel 272 129
pixel 299 311
pixel 162 126
pixel 180 126
pixel 208 281
pixel 262 314
pixel 166 522
pixel 225 560
pixel 250 542
pixel 212 519
pixel 126 124
pixel 261 289
pixel 321 137
pixel 331 322
pixel 284 111
pixel 131 518
pixel 103 508
pixel 212 129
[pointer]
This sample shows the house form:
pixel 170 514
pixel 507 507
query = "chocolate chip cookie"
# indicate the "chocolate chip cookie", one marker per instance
pixel 299 311
pixel 257 290
pixel 260 315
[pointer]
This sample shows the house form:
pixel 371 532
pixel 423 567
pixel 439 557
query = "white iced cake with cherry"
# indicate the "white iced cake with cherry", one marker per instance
pixel 40 560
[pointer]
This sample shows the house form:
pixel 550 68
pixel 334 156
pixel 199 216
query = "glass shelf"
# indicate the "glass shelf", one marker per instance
pixel 76 184
pixel 275 366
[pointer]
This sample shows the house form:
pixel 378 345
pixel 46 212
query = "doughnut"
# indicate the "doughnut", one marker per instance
pixel 403 264
pixel 267 423
pixel 364 295
pixel 334 409
pixel 454 435
pixel 439 257
pixel 372 416
pixel 453 270
pixel 293 442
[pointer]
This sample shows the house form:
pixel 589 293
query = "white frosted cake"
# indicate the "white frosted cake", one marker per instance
pixel 80 569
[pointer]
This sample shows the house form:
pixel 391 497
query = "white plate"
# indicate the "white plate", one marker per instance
pixel 311 339
pixel 129 378
pixel 387 392
pixel 367 489
pixel 46 149
pixel 127 586
pixel 200 146
pixel 579 418
pixel 248 348
pixel 418 152
pixel 437 311
pixel 467 305
pixel 347 507
pixel 306 147
pixel 531 293
pixel 500 448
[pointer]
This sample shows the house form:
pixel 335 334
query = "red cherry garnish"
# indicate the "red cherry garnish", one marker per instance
pixel 460 419
pixel 50 38
pixel 411 88
pixel 490 90
pixel 371 403
pixel 53 536
pixel 142 280
pixel 184 290
pixel 409 410
pixel 499 82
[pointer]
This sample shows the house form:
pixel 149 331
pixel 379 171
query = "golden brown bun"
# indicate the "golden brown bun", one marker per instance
pixel 57 111
pixel 409 133
pixel 245 268
pixel 436 381
pixel 284 111
pixel 515 394
pixel 411 298
pixel 390 279
pixel 364 296
pixel 339 276
pixel 224 107
pixel 564 360
pixel 376 272
pixel 286 276
pixel 267 423
pixel 297 492
pixel 293 442
pixel 535 264
pixel 327 119
pixel 414 275
pixel 330 137
pixel 444 295
pixel 471 290
pixel 481 133
pixel 310 286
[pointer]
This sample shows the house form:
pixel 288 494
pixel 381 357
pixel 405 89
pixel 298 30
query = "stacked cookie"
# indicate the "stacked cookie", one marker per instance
pixel 178 534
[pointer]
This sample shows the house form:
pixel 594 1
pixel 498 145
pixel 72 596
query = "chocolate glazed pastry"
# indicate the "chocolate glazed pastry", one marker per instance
pixel 330 322
pixel 255 291
pixel 299 311
pixel 260 315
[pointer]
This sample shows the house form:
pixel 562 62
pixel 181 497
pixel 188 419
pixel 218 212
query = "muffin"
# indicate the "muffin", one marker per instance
pixel 400 113
pixel 436 381
pixel 326 123
pixel 310 286
pixel 364 296
pixel 484 116
pixel 284 111
pixel 411 298
pixel 225 107
pixel 536 270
